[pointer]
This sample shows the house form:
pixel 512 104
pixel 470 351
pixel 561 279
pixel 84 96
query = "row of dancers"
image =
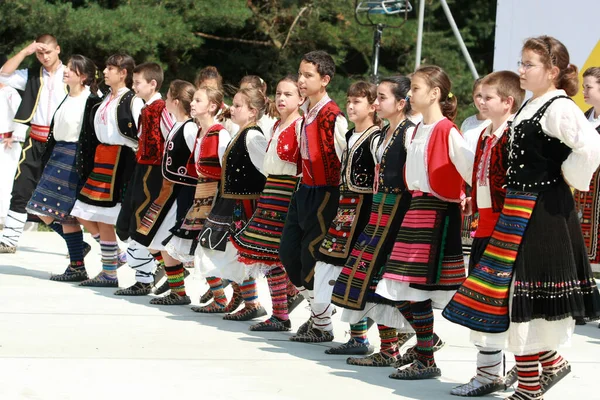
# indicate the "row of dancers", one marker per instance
pixel 367 219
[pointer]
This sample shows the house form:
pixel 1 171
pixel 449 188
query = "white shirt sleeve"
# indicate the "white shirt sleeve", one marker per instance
pixel 341 127
pixel 224 139
pixel 20 131
pixel 190 133
pixel 408 136
pixel 166 123
pixel 136 110
pixel 565 121
pixel 256 143
pixel 17 79
pixel 461 155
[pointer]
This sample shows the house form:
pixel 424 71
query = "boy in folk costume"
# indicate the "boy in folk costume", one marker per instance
pixel 501 98
pixel 155 122
pixel 534 276
pixel 313 206
pixel 43 90
pixel 12 136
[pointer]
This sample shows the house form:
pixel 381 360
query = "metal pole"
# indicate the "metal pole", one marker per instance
pixel 420 33
pixel 461 43
pixel 376 47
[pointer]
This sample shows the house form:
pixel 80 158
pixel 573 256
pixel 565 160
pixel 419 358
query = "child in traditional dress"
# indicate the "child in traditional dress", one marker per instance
pixel 354 289
pixel 587 203
pixel 12 136
pixel 258 241
pixel 178 188
pixel 426 264
pixel 534 277
pixel 241 184
pixel 314 204
pixel 57 189
pixel 208 155
pixel 501 97
pixel 472 126
pixel 271 113
pixel 356 195
pixel 106 162
pixel 146 184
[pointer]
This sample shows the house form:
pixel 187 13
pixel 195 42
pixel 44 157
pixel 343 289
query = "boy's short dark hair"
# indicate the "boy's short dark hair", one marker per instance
pixel 323 62
pixel 151 71
pixel 507 84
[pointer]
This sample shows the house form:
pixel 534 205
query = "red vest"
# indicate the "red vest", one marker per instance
pixel 444 180
pixel 151 143
pixel 496 173
pixel 208 164
pixel 320 163
pixel 287 142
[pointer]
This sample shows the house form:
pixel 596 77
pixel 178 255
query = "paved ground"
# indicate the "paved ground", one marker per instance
pixel 60 341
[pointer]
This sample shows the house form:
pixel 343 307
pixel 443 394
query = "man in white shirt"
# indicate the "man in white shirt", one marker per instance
pixel 43 90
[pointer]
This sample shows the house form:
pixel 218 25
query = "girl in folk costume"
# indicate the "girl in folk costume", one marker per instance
pixel 588 203
pixel 180 178
pixel 106 160
pixel 534 277
pixel 426 264
pixel 271 112
pixel 354 289
pixel 57 189
pixel 210 147
pixel 241 184
pixel 356 194
pixel 258 242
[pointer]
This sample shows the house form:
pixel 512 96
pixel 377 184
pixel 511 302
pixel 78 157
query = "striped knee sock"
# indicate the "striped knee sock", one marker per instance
pixel 109 258
pixel 216 287
pixel 175 279
pixel 529 377
pixel 389 340
pixel 278 287
pixel 75 245
pixel 249 292
pixel 551 361
pixel 159 259
pixel 359 330
pixel 422 314
pixel 56 227
pixel 291 289
pixel 96 237
pixel 404 308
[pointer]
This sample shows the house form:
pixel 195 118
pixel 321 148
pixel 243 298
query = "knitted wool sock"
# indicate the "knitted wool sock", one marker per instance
pixel 96 237
pixel 216 287
pixel 551 361
pixel 389 340
pixel 75 245
pixel 359 330
pixel 489 364
pixel 109 258
pixel 291 289
pixel 422 314
pixel 159 259
pixel 249 292
pixel 13 228
pixel 278 287
pixel 56 227
pixel 175 279
pixel 529 377
pixel 404 308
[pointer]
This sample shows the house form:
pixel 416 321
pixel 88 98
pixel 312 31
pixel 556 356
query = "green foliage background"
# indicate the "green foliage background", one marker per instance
pixel 254 36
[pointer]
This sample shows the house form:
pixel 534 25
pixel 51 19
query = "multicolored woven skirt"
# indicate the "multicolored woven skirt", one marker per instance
pixel 57 189
pixel 362 271
pixel 106 184
pixel 258 241
pixel 351 217
pixel 588 210
pixel 428 251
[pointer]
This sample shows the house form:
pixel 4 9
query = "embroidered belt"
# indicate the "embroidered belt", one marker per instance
pixel 39 133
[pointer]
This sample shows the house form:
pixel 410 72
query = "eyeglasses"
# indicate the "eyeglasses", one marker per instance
pixel 526 66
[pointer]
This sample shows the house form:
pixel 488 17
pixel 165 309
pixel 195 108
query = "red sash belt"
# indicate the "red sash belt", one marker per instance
pixel 39 133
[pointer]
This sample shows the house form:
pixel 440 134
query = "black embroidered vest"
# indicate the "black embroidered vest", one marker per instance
pixel 391 167
pixel 535 159
pixel 176 165
pixel 125 121
pixel 239 177
pixel 358 165
pixel 30 96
